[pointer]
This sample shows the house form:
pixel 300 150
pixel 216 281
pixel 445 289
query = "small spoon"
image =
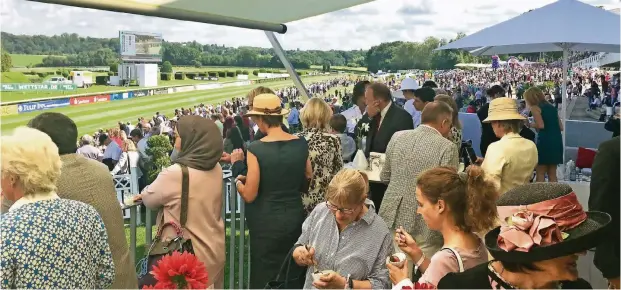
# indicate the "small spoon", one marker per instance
pixel 313 259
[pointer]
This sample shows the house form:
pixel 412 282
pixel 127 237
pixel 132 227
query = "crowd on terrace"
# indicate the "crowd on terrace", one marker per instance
pixel 421 221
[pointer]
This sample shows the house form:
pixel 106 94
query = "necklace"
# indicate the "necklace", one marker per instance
pixel 491 268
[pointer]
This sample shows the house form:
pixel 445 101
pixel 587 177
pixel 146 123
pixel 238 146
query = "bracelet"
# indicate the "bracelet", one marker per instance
pixel 348 282
pixel 420 261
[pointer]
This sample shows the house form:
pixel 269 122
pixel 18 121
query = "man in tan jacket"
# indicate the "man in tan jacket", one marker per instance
pixel 90 182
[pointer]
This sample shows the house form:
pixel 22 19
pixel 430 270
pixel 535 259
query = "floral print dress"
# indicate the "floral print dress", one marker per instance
pixel 325 155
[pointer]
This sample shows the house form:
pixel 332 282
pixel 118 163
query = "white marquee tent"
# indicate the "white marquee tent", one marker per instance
pixel 549 28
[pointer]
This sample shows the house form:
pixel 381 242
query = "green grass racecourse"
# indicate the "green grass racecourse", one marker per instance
pixel 91 117
pixel 20 60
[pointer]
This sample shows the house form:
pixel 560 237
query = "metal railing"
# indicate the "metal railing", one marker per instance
pixel 233 214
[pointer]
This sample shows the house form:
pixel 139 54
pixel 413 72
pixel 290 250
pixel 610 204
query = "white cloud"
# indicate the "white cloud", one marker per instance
pixel 358 27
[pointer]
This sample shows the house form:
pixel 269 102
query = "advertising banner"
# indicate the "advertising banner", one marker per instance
pixel 82 100
pixel 141 93
pixel 37 87
pixel 184 89
pixel 101 98
pixel 42 105
pixel 160 91
pixel 8 110
pixel 208 87
pixel 75 101
pixel 121 96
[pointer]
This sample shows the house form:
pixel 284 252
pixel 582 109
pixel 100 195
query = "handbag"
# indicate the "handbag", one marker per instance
pixel 284 281
pixel 159 247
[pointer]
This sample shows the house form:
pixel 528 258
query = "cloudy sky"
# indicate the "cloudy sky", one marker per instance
pixel 358 27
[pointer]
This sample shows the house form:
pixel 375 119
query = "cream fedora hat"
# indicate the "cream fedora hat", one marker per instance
pixel 267 105
pixel 503 109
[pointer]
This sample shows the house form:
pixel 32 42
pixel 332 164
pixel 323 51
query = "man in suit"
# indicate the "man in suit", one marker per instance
pixel 386 118
pixel 410 153
pixel 605 198
pixel 88 181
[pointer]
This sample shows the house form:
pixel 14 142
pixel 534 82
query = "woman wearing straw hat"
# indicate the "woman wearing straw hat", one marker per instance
pixel 278 169
pixel 544 230
pixel 511 160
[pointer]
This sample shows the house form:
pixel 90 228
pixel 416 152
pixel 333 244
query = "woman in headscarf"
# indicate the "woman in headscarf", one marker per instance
pixel 199 144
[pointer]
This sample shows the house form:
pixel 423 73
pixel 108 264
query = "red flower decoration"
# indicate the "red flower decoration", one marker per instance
pixel 423 286
pixel 418 286
pixel 179 271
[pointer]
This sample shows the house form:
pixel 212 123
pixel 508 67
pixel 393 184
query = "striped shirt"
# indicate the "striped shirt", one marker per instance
pixel 360 250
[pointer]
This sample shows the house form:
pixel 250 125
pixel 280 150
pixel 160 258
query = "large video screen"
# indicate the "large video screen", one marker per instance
pixel 140 46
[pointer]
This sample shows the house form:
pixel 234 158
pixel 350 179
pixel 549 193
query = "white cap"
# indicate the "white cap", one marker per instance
pixel 408 84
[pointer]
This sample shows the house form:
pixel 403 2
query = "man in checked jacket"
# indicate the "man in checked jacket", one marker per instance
pixel 409 153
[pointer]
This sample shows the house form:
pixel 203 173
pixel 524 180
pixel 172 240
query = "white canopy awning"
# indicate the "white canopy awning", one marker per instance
pixel 548 28
pixel 268 15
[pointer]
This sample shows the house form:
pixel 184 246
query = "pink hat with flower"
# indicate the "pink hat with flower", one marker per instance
pixel 542 221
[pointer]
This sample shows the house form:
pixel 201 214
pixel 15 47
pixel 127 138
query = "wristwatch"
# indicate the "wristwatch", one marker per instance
pixel 349 283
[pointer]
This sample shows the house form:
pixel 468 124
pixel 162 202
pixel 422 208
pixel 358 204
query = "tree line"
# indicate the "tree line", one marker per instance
pixel 72 50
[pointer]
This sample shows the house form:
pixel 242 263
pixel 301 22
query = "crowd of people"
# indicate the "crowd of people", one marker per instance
pixel 490 225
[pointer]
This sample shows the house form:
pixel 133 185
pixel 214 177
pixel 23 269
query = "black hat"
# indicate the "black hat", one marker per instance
pixel 555 208
pixel 426 94
pixel 495 90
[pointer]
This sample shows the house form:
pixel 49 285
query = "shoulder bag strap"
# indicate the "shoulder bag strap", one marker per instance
pixel 460 262
pixel 185 188
pixel 241 138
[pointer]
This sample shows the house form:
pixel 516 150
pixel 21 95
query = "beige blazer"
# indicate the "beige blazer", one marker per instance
pixel 204 226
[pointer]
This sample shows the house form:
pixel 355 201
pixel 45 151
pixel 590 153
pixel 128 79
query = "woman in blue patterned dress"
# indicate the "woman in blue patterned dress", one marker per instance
pixel 549 136
pixel 47 242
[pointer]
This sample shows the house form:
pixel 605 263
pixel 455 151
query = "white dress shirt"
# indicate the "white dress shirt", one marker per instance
pixel 409 107
pixel 352 115
pixel 113 151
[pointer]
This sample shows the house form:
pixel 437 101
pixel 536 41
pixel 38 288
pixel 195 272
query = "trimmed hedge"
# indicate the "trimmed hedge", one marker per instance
pixel 238 72
pixel 255 72
pixel 191 75
pixel 165 76
pixel 202 74
pixel 221 74
pixel 245 72
pixel 212 74
pixel 101 80
pixel 179 76
pixel 230 74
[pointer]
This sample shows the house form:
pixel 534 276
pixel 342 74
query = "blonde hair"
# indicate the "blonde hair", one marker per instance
pixel 128 146
pixel 32 157
pixel 258 91
pixel 451 102
pixel 348 187
pixel 114 132
pixel 534 96
pixel 316 114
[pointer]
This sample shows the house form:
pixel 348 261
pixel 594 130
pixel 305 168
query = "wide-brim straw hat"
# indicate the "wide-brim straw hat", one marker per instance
pixel 548 203
pixel 267 105
pixel 501 109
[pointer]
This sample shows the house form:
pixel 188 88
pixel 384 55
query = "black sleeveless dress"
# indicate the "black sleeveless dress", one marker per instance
pixel 275 217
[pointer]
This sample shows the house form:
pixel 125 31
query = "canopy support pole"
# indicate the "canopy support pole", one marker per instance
pixel 283 58
pixel 178 14
pixel 565 47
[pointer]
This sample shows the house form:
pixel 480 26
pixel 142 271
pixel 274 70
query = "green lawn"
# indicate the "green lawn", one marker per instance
pixel 141 248
pixel 22 60
pixel 91 117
